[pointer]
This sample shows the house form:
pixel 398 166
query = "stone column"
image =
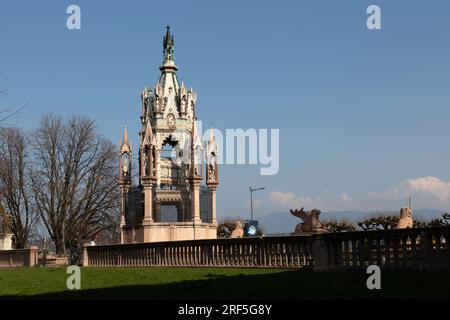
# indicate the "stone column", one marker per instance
pixel 148 200
pixel 158 167
pixel 213 204
pixel 321 254
pixel 123 207
pixel 426 244
pixel 85 255
pixel 179 212
pixel 195 201
pixel 182 211
pixel 157 212
pixel 33 258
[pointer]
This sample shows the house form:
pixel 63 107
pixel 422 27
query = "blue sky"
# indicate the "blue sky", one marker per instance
pixel 363 115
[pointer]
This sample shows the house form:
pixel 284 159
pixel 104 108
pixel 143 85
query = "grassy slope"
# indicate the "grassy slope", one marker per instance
pixel 211 283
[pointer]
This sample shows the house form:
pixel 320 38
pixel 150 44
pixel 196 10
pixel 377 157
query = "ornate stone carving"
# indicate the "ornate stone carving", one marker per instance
pixel 311 222
pixel 171 119
pixel 164 104
pixel 238 231
pixel 146 163
pixel 211 172
pixel 406 220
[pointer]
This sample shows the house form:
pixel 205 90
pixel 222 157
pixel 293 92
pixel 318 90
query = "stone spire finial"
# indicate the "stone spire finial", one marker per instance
pixel 168 48
pixel 212 146
pixel 125 134
pixel 196 141
pixel 148 134
pixel 168 45
pixel 211 136
pixel 126 146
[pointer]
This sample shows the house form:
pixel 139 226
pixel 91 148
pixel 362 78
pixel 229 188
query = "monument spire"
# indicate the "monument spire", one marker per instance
pixel 168 45
pixel 126 146
pixel 168 69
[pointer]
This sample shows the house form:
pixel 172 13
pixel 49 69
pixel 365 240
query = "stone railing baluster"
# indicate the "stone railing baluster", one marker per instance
pixel 425 248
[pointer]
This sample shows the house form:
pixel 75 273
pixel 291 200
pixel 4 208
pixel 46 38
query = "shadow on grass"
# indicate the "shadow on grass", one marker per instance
pixel 283 285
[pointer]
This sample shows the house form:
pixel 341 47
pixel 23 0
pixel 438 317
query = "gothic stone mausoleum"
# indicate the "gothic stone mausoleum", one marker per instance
pixel 175 198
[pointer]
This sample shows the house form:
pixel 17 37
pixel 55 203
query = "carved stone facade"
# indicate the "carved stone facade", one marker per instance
pixel 174 199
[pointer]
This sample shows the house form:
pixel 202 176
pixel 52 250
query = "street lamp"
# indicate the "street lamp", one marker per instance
pixel 251 199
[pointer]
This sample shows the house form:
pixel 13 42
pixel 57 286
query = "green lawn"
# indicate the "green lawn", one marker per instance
pixel 217 283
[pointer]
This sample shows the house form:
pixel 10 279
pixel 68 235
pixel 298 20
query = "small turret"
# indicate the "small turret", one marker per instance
pixel 148 134
pixel 147 152
pixel 125 159
pixel 197 152
pixel 212 174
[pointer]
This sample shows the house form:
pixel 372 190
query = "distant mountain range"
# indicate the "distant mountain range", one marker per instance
pixel 285 222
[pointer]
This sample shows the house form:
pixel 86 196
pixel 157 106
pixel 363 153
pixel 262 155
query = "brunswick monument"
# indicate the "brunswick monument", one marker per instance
pixel 175 198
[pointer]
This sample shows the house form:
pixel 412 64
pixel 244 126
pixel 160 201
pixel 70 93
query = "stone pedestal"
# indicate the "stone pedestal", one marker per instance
pixel 195 200
pixel 213 187
pixel 5 241
pixel 148 200
pixel 169 231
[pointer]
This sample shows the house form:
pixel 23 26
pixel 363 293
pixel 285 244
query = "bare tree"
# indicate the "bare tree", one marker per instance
pixel 15 165
pixel 7 113
pixel 74 180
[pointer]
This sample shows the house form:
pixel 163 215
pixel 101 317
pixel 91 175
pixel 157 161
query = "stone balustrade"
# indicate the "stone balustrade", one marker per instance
pixel 19 257
pixel 277 252
pixel 416 249
pixel 419 249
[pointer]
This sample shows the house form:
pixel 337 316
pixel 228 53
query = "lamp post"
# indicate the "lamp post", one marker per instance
pixel 251 199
